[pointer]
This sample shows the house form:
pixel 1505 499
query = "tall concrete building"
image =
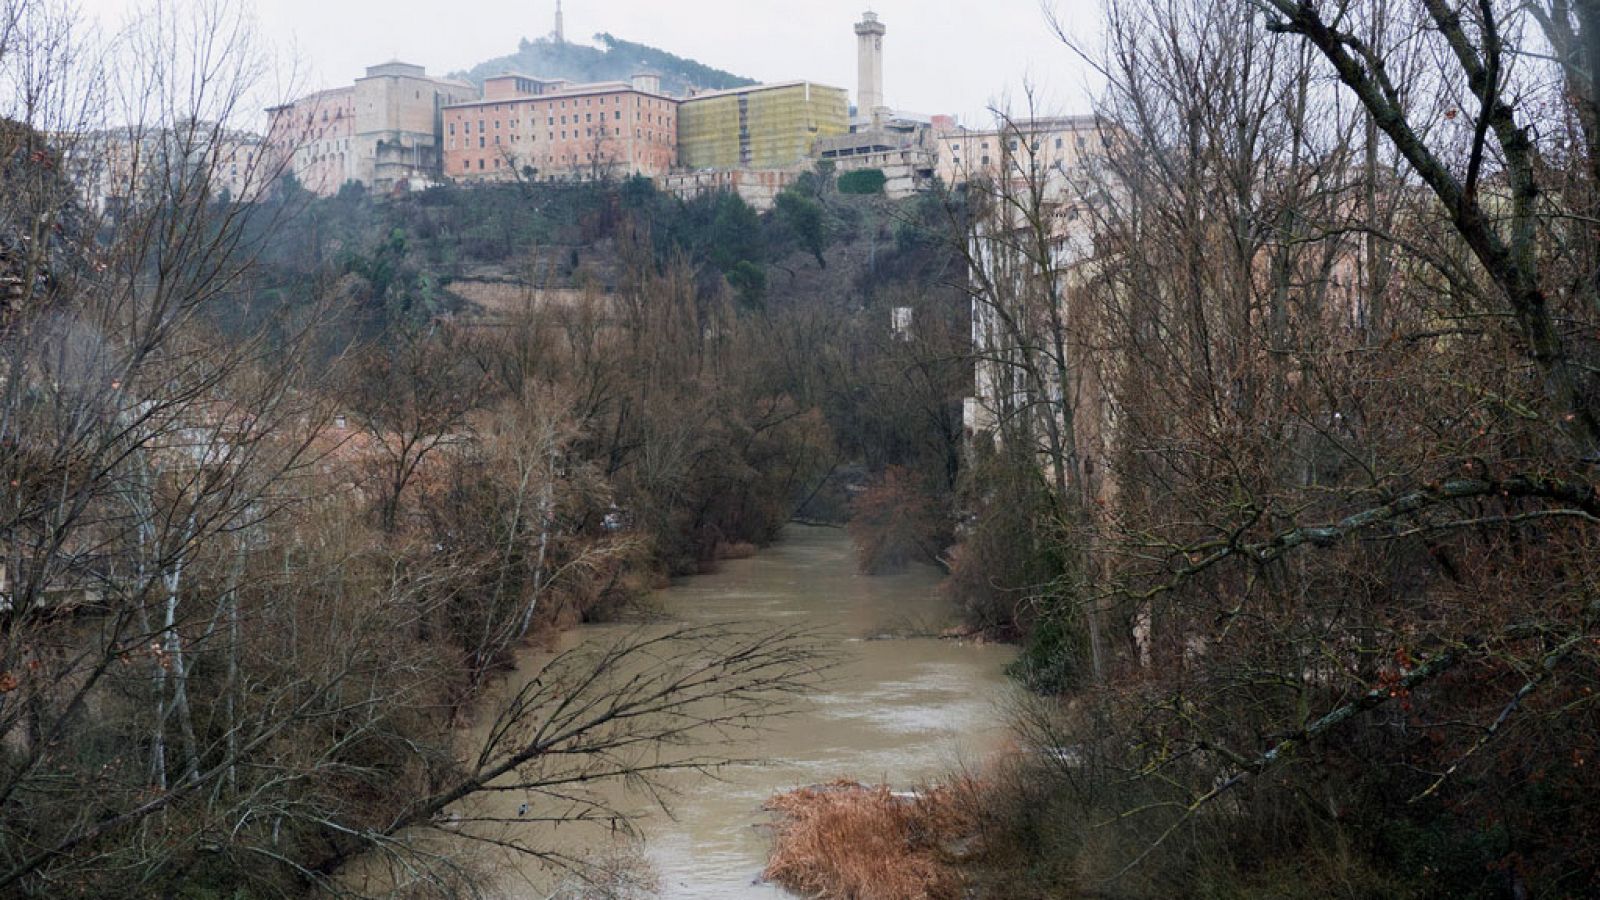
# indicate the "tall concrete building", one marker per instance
pixel 399 123
pixel 869 66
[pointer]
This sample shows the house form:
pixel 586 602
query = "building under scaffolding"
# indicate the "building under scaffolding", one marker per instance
pixel 768 126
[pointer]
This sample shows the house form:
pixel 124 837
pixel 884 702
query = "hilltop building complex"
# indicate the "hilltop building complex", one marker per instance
pixel 382 132
pixel 398 128
pixel 899 144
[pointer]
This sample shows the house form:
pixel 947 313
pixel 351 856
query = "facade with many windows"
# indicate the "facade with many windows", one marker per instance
pixel 313 139
pixel 382 132
pixel 1056 147
pixel 552 130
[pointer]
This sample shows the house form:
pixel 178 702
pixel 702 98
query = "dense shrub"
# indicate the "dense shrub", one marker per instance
pixel 862 181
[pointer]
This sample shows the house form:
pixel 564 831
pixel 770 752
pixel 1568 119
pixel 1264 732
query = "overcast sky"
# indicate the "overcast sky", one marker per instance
pixel 940 56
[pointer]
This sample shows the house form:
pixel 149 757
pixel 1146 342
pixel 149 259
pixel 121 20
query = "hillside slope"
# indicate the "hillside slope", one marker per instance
pixel 613 60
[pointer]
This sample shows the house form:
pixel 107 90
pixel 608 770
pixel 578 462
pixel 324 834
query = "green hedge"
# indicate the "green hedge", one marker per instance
pixel 862 181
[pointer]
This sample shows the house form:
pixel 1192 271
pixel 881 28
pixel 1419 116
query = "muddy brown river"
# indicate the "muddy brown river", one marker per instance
pixel 899 710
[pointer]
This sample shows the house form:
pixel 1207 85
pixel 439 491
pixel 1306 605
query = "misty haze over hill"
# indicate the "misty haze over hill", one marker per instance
pixel 614 60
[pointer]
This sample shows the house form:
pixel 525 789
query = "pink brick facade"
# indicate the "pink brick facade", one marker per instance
pixel 554 131
pixel 314 138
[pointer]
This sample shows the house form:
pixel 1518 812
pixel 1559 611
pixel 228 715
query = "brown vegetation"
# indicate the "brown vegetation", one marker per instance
pixel 893 521
pixel 853 842
pixel 253 570
pixel 1294 387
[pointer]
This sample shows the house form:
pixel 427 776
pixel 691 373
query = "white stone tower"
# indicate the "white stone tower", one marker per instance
pixel 561 27
pixel 869 59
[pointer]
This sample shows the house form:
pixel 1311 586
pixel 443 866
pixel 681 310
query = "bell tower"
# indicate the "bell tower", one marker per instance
pixel 869 62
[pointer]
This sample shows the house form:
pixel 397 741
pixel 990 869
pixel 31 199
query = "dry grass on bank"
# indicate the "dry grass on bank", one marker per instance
pixel 849 841
pixel 736 550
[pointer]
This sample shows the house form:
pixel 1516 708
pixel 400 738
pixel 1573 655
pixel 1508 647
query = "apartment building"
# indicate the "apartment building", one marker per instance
pixel 553 130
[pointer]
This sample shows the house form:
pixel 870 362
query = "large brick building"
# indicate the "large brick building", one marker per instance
pixel 553 130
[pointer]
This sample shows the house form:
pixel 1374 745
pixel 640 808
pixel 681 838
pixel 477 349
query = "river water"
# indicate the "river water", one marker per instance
pixel 899 710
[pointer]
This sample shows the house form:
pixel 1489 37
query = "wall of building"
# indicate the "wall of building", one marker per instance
pixel 399 118
pixel 758 187
pixel 760 127
pixel 121 168
pixel 314 139
pixel 576 132
pixel 381 131
pixel 1055 146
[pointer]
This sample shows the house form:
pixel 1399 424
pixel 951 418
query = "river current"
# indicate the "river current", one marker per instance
pixel 899 710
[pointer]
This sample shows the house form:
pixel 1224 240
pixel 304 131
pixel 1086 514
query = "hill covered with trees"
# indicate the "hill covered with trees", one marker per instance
pixel 615 59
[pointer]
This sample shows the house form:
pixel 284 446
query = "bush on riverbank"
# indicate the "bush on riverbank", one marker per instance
pixel 849 840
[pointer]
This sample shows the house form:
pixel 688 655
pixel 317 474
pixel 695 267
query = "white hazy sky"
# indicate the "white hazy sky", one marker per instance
pixel 940 56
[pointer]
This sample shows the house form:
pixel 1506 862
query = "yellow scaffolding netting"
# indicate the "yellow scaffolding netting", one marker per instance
pixel 759 127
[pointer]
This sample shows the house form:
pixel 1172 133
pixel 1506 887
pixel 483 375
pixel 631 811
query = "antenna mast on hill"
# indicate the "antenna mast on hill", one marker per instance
pixel 561 29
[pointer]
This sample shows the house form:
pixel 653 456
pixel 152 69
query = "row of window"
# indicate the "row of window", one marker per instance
pixel 1011 144
pixel 551 120
pixel 564 159
pixel 589 101
pixel 483 141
